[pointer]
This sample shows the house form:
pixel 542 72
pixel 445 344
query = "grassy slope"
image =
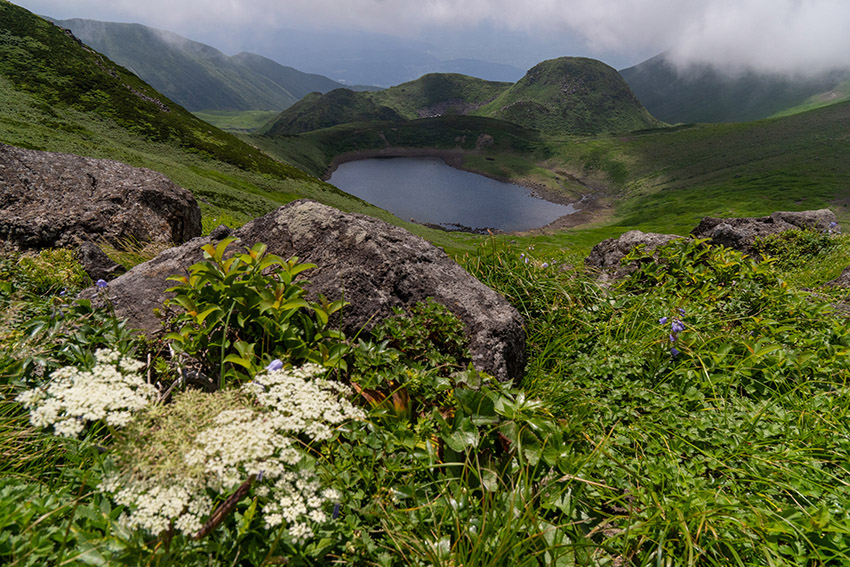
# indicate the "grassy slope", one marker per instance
pixel 195 75
pixel 571 95
pixel 701 94
pixel 430 95
pixel 793 163
pixel 839 93
pixel 236 121
pixel 59 96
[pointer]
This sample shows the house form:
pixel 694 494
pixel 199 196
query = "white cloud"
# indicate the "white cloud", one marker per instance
pixel 776 35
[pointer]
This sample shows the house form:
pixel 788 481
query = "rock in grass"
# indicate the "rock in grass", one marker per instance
pixel 58 200
pixel 605 258
pixel 741 233
pixel 374 266
pixel 96 263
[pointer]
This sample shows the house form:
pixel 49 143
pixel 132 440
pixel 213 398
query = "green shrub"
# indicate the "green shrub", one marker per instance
pixel 238 313
pixel 795 248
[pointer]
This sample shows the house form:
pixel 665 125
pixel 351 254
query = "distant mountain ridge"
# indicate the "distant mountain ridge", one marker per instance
pixel 704 94
pixel 195 75
pixel 568 95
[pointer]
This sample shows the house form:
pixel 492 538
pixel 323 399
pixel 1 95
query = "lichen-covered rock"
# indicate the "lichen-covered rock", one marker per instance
pixel 741 233
pixel 370 264
pixel 605 258
pixel 50 200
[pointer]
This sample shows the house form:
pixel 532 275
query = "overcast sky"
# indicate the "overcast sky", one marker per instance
pixel 773 35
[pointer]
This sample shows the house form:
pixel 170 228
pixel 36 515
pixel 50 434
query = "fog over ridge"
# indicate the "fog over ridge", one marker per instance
pixel 783 36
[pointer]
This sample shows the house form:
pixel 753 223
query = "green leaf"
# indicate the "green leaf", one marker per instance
pixel 235 359
pixel 201 317
pixel 463 435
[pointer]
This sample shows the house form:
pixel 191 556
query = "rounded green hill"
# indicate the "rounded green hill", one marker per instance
pixel 572 95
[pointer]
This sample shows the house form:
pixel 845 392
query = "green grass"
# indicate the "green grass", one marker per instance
pixel 725 454
pixel 571 96
pixel 840 93
pixel 236 121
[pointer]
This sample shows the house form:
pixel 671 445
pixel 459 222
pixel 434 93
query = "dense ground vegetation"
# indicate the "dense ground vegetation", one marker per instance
pixel 694 413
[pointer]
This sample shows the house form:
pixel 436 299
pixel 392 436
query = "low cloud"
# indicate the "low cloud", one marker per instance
pixel 785 36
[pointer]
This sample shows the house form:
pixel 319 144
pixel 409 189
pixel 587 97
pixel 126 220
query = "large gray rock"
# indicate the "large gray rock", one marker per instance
pixel 741 233
pixel 49 199
pixel 605 258
pixel 372 265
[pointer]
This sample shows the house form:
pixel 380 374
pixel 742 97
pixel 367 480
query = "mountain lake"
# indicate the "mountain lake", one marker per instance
pixel 428 190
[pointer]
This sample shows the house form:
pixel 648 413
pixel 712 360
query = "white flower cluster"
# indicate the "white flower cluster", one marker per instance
pixel 156 505
pixel 111 391
pixel 302 403
pixel 253 439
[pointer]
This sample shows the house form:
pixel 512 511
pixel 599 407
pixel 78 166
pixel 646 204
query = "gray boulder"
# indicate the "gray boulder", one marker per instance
pixel 49 199
pixel 605 258
pixel 374 266
pixel 96 263
pixel 741 233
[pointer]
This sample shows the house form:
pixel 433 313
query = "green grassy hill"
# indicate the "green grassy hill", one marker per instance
pixel 571 95
pixel 561 96
pixel 430 95
pixel 703 94
pixel 195 75
pixel 316 111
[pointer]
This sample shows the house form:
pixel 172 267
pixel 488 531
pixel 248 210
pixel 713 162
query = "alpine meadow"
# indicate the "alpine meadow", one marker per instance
pixel 660 379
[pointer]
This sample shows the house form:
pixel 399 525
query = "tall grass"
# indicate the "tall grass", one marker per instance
pixel 728 452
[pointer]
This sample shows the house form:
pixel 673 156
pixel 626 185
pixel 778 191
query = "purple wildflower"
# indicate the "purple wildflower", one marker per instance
pixel 674 351
pixel 335 514
pixel 101 284
pixel 662 321
pixel 274 365
pixel 677 326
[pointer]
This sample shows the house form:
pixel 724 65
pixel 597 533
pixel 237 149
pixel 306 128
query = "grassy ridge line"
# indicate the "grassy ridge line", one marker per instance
pixel 569 95
pixel 839 93
pixel 704 94
pixel 198 76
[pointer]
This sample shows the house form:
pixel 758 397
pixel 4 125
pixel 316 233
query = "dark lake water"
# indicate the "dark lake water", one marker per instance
pixel 430 191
